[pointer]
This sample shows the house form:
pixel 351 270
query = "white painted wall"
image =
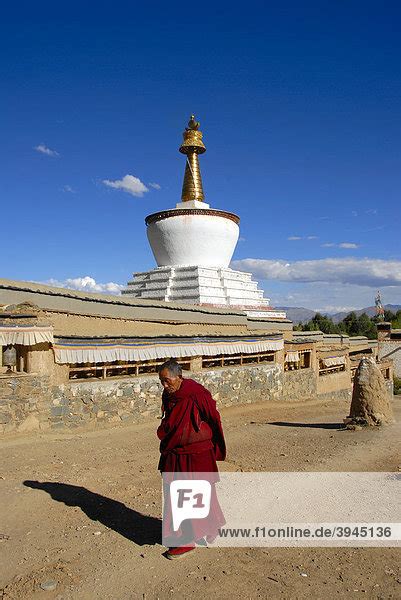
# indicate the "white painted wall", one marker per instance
pixel 198 285
pixel 203 240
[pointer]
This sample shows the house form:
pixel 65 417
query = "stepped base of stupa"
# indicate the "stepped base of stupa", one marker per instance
pixel 208 286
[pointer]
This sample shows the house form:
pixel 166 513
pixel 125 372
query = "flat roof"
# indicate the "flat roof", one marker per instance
pixel 74 313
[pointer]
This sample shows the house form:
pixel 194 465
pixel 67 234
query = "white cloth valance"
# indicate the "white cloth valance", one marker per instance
pixel 334 361
pixel 25 336
pixel 292 356
pixel 70 353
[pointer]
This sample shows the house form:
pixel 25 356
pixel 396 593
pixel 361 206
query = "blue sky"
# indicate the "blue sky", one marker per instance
pixel 300 105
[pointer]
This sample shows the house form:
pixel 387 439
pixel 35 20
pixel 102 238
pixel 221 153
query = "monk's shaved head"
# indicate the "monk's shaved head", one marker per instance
pixel 170 375
pixel 172 367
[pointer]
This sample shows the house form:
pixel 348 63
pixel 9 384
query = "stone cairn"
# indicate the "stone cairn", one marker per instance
pixel 370 404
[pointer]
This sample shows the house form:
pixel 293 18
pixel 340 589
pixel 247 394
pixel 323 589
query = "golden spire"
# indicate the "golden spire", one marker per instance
pixel 192 145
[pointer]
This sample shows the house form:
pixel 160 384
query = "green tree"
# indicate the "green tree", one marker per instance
pixel 321 323
pixel 366 326
pixel 396 322
pixel 351 324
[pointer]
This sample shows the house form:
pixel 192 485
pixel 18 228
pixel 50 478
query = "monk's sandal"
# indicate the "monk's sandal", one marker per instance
pixel 180 552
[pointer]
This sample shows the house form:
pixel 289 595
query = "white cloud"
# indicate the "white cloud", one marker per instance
pixel 129 183
pixel 336 308
pixel 87 284
pixel 68 189
pixel 241 239
pixel 348 245
pixel 360 272
pixel 295 238
pixel 156 186
pixel 45 150
pixel 345 245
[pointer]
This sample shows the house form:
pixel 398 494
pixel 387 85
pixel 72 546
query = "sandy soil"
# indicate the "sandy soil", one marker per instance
pixel 89 518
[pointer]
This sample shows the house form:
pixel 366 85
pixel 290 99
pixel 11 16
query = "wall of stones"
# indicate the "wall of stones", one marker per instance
pixel 24 403
pixel 299 385
pixel 243 385
pixel 33 403
pixel 392 349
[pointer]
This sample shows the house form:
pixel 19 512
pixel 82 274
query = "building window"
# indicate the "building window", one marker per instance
pixel 134 369
pixel 210 362
pixel 297 359
pixel 120 368
pixel 330 365
pixel 305 359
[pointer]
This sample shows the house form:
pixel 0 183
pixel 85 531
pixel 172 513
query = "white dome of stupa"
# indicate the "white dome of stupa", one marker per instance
pixel 193 245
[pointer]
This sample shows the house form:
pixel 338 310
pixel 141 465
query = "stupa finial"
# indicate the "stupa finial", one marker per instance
pixel 192 124
pixel 192 145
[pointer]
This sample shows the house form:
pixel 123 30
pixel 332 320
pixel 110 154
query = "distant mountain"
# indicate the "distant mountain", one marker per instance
pixel 298 315
pixel 303 315
pixel 369 310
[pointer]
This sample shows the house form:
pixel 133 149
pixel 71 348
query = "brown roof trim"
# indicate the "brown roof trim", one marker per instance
pixel 175 212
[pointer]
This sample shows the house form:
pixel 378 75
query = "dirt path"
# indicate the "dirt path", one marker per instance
pixel 96 534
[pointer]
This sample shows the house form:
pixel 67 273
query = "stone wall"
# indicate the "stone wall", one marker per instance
pixel 33 403
pixel 392 349
pixel 243 385
pixel 24 403
pixel 299 385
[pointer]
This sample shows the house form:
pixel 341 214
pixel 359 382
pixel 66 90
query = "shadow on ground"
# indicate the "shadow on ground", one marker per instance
pixel 313 425
pixel 133 525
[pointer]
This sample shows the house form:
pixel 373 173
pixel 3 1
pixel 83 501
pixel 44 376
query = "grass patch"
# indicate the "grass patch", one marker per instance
pixel 397 385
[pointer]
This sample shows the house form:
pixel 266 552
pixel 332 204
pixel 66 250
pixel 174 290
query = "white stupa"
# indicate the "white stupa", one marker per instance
pixel 193 245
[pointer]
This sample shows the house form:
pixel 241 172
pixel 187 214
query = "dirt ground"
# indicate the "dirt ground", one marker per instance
pixel 88 513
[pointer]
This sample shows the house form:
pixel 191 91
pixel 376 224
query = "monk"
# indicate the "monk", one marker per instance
pixel 192 440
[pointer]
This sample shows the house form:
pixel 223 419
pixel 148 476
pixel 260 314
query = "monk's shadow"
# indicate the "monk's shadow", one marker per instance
pixel 133 525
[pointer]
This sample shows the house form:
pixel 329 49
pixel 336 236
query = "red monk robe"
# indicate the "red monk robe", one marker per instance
pixel 192 440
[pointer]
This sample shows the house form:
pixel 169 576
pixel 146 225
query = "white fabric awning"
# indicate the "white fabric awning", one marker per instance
pixel 334 361
pixel 103 352
pixel 292 356
pixel 25 335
